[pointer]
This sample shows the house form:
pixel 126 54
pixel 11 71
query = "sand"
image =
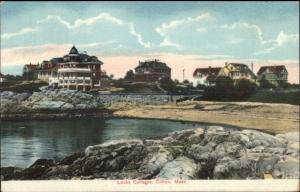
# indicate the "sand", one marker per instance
pixel 273 118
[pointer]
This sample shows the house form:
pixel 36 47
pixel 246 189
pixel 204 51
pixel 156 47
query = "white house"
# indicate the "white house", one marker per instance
pixel 205 76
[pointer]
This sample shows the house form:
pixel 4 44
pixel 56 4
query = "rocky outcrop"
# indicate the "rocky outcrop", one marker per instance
pixel 48 101
pixel 212 153
pixel 64 100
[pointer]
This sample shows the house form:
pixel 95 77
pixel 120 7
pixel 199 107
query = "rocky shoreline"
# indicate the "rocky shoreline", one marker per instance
pixel 62 103
pixel 212 153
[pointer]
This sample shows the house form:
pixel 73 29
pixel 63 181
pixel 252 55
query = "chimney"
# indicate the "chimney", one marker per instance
pixel 251 66
pixel 226 63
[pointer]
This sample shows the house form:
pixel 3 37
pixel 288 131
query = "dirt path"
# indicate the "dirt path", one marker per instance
pixel 275 118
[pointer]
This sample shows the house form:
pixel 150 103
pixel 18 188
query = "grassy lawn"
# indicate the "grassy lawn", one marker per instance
pixel 282 96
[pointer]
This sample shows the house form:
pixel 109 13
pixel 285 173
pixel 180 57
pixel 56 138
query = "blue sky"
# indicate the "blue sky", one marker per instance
pixel 264 32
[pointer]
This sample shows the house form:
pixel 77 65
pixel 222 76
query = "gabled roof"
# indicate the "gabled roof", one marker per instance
pixel 242 68
pixel 210 72
pixel 1 75
pixel 276 69
pixel 73 50
pixel 207 71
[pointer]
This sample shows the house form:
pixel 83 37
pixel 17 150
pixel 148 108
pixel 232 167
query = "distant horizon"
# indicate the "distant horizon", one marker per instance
pixel 17 70
pixel 184 35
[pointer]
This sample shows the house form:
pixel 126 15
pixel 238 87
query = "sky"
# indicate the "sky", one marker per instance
pixel 185 35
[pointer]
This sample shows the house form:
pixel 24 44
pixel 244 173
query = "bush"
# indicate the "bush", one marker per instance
pixel 226 90
pixel 200 86
pixel 266 84
pixel 284 85
pixel 244 89
pixel 168 85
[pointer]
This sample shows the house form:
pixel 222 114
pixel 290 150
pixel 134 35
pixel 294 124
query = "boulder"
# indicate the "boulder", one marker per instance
pixel 287 168
pixel 157 161
pixel 37 169
pixel 179 168
pixel 21 96
pixel 230 168
pixel 9 173
pixel 48 105
pixel 67 106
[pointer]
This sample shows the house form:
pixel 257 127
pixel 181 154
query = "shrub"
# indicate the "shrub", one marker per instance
pixel 244 89
pixel 284 85
pixel 263 83
pixel 226 90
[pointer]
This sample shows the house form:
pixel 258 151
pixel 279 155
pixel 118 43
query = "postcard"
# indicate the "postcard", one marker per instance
pixel 149 96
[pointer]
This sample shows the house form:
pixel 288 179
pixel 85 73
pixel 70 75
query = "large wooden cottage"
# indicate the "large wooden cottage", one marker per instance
pixel 152 70
pixel 237 71
pixel 275 74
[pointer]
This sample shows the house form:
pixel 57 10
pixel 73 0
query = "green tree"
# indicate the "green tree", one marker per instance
pixel 223 90
pixel 111 77
pixel 129 75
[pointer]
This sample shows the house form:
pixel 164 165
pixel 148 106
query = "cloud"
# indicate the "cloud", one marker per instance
pixel 80 22
pixel 208 57
pixel 266 46
pixel 97 44
pixel 167 42
pixel 18 33
pixel 165 28
pixel 38 53
pixel 201 30
pixel 281 40
pixel 256 28
pixel 93 20
pixel 138 36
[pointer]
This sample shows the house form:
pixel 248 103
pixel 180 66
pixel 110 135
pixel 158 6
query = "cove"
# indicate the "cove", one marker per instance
pixel 23 142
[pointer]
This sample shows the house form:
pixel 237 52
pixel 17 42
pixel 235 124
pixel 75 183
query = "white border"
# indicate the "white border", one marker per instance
pixel 115 185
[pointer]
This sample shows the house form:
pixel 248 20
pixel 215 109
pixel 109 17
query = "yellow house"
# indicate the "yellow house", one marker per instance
pixel 237 71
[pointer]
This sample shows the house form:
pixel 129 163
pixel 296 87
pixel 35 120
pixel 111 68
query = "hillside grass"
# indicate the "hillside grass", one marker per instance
pixel 283 96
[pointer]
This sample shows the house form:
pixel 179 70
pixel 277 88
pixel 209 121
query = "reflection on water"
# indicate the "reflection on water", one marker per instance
pixel 24 142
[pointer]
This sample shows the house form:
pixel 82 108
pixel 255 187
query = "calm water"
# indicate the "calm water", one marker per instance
pixel 24 142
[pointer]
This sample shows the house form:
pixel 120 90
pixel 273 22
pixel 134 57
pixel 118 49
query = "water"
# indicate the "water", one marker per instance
pixel 23 142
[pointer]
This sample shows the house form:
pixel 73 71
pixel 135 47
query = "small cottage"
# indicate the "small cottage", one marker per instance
pixel 205 76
